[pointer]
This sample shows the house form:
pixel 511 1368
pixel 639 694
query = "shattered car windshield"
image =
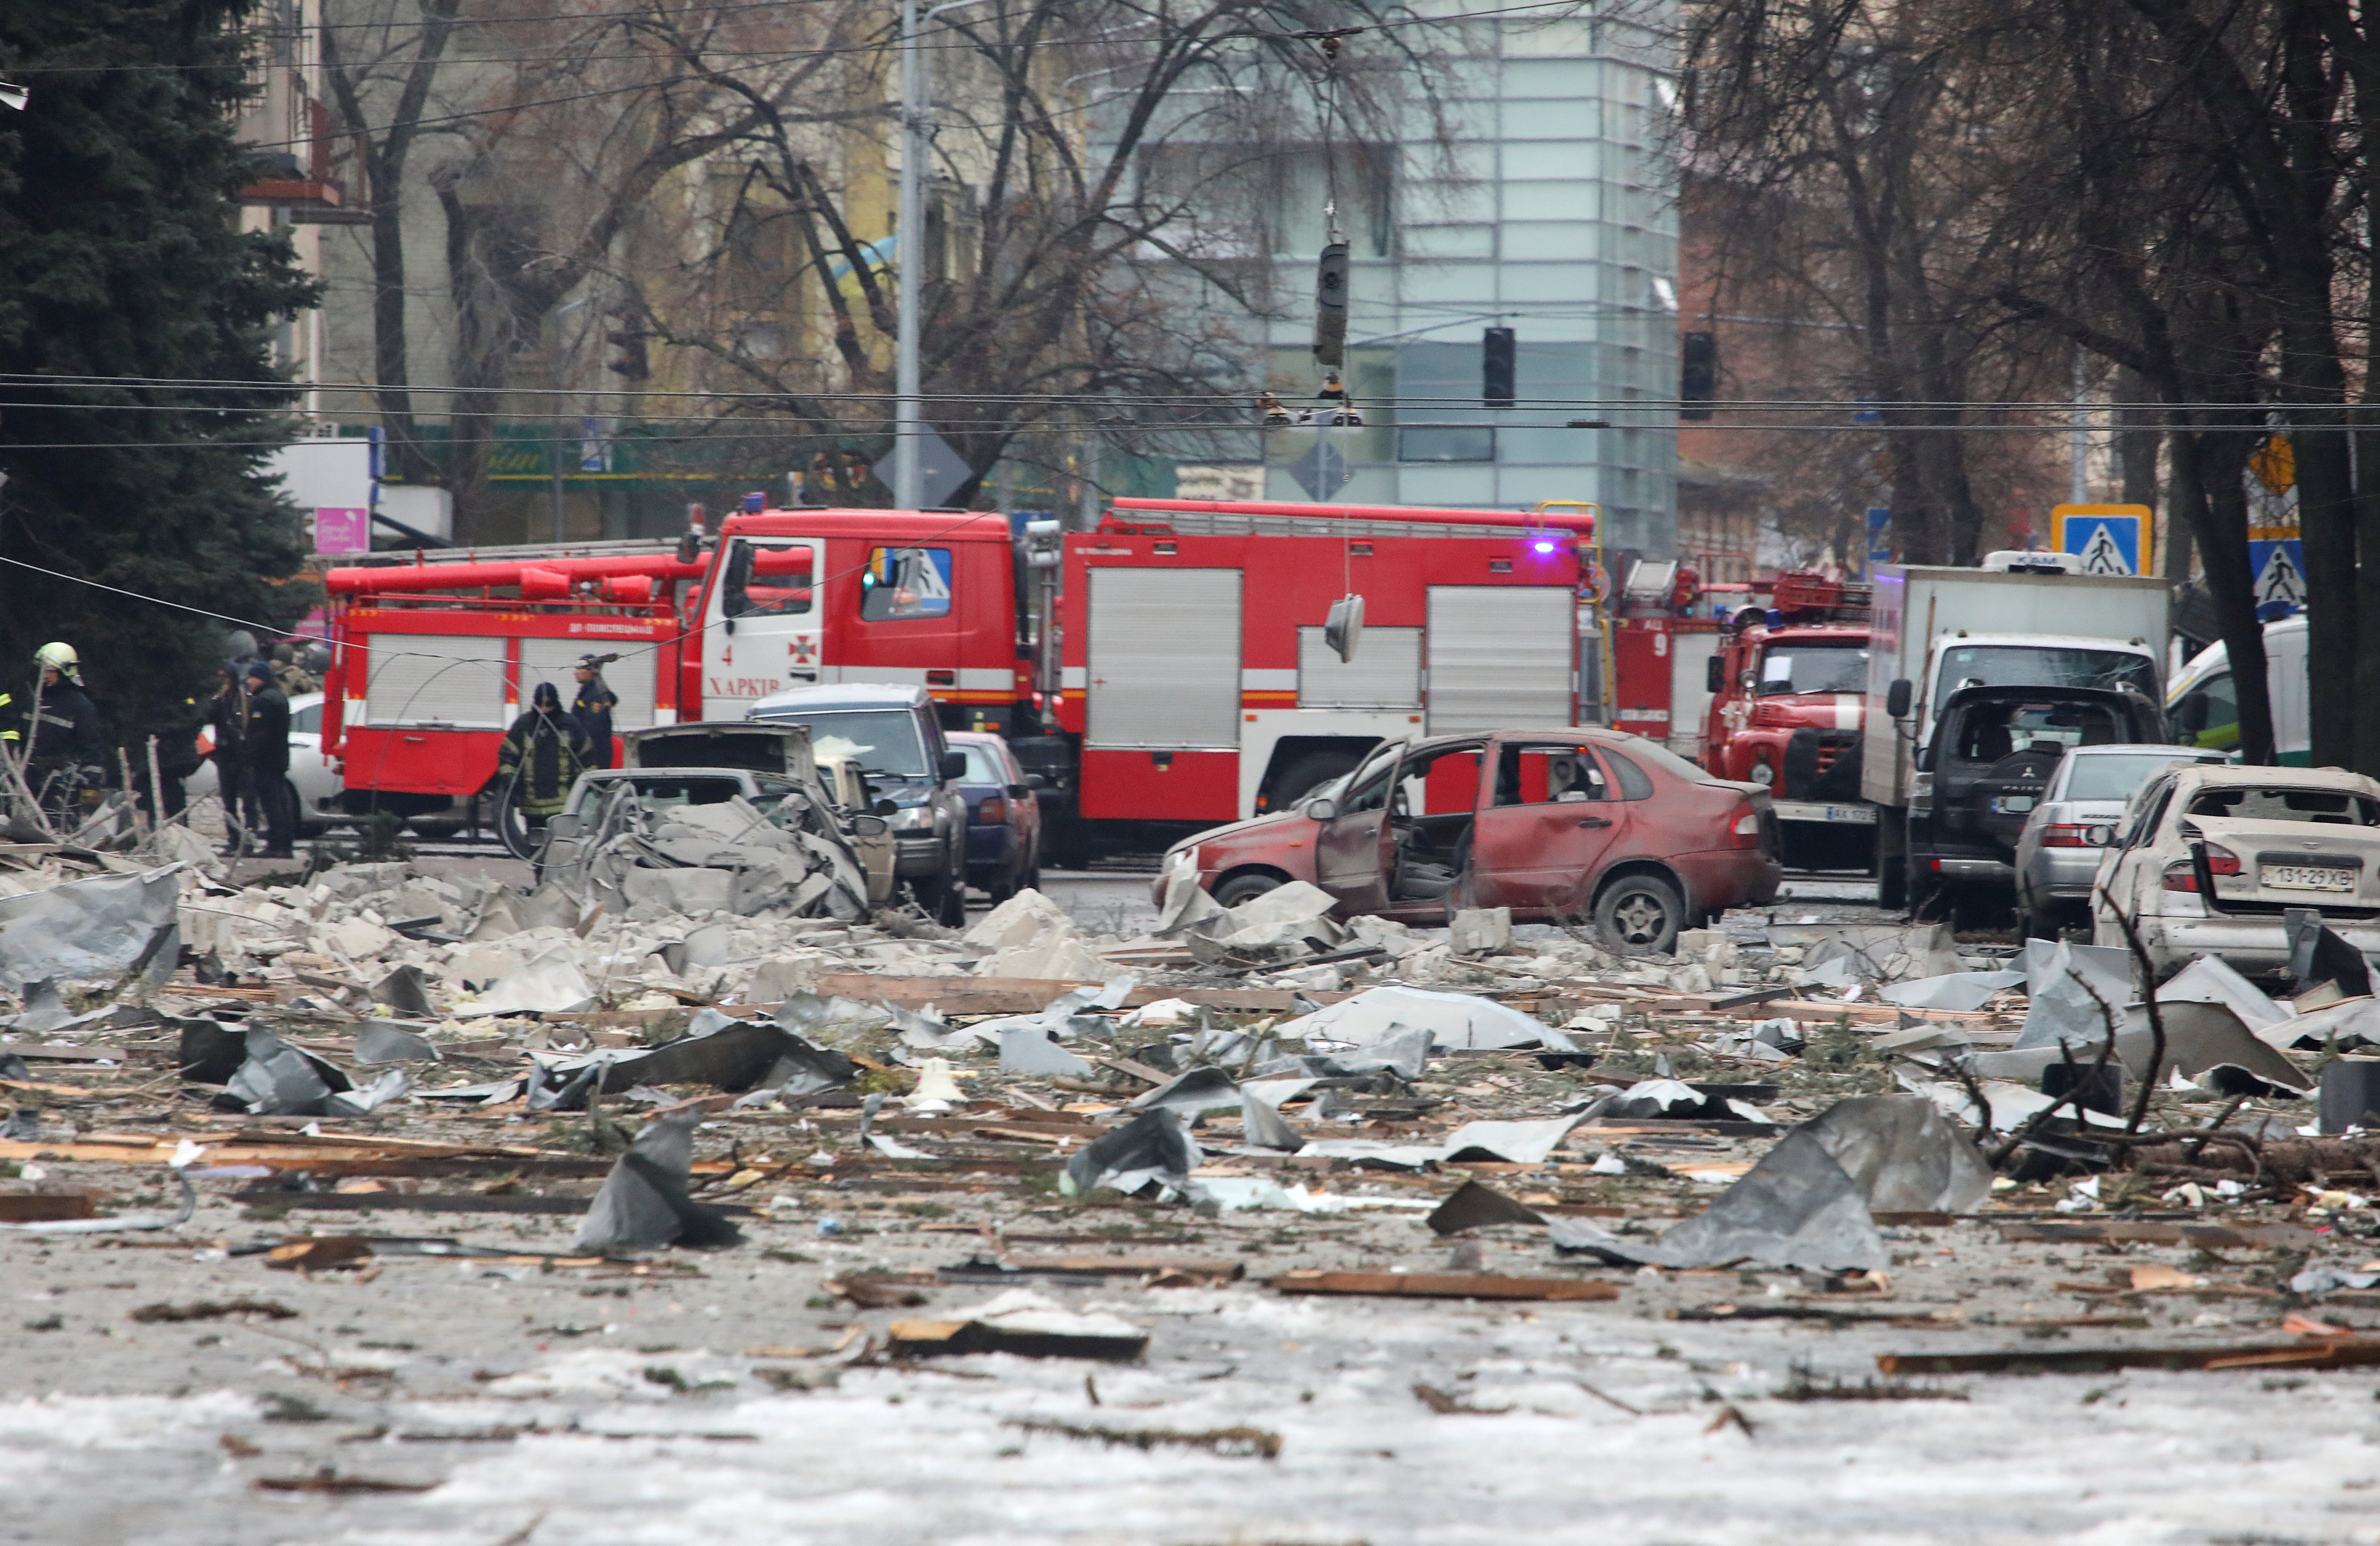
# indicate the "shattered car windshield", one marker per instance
pixel 1832 666
pixel 882 741
pixel 2327 807
pixel 2042 665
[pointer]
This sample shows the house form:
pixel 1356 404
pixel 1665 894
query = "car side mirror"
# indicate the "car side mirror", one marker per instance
pixel 1715 674
pixel 1018 791
pixel 1321 808
pixel 952 766
pixel 1896 700
pixel 886 808
pixel 868 826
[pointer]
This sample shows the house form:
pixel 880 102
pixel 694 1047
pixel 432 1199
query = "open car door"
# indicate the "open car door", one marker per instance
pixel 1352 849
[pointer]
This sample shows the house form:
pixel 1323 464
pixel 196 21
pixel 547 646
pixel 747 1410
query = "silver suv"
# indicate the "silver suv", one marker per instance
pixel 894 734
pixel 2075 820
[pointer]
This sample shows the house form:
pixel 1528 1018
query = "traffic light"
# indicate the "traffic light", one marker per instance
pixel 1330 307
pixel 1498 350
pixel 1697 374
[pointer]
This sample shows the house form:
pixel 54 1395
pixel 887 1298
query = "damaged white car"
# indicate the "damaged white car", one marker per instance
pixel 2212 859
pixel 729 818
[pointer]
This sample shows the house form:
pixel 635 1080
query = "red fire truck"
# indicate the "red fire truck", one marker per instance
pixel 1186 680
pixel 1787 708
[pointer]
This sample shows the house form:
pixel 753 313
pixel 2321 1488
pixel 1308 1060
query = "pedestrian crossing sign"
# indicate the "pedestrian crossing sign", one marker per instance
pixel 2109 539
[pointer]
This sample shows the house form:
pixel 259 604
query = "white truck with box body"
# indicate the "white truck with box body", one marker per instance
pixel 2022 620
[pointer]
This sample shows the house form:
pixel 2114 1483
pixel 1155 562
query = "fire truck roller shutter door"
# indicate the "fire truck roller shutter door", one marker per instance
pixel 1164 656
pixel 1499 657
pixel 1385 674
pixel 436 679
pixel 632 676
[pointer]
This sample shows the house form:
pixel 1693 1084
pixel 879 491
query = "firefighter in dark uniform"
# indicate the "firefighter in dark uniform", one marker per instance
pixel 592 709
pixel 543 755
pixel 64 745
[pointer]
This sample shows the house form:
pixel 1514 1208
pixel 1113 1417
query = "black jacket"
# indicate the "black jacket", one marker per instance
pixel 66 729
pixel 592 710
pixel 227 713
pixel 266 744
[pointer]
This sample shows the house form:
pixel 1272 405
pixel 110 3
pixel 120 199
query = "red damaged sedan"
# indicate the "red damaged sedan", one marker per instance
pixel 1563 824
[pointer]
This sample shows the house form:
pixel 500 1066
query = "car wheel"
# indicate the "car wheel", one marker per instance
pixel 1246 888
pixel 1640 915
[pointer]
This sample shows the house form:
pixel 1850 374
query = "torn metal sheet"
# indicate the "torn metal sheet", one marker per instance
pixel 1652 1097
pixel 277 1079
pixel 1870 952
pixel 1263 1127
pixel 2066 986
pixel 95 928
pixel 1903 1155
pixel 2346 1022
pixel 1520 1143
pixel 1474 1204
pixel 1962 991
pixel 1232 1194
pixel 2319 957
pixel 406 991
pixel 1288 917
pixel 1154 1146
pixel 1193 1093
pixel 393 1042
pixel 2208 980
pixel 1029 1049
pixel 1795 1208
pixel 644 1203
pixel 1460 1021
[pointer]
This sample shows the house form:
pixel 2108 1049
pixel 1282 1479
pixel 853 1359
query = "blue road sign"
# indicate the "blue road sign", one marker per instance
pixel 2280 569
pixel 2109 539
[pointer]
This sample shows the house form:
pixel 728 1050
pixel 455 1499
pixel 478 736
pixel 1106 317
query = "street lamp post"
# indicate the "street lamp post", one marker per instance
pixel 909 419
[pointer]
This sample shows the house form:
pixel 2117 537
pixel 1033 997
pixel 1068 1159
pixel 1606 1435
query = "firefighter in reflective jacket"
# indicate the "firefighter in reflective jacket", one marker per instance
pixel 543 753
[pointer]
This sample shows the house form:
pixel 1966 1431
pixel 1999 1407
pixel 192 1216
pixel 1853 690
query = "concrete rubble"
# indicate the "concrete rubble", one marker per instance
pixel 519 1133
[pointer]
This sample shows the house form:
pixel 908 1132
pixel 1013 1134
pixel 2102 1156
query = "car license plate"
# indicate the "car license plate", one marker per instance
pixel 1809 811
pixel 2012 805
pixel 2305 877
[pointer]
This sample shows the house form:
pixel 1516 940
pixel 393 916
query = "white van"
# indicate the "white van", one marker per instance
pixel 2201 709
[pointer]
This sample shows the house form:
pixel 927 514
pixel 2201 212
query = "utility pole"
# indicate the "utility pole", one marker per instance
pixel 908 422
pixel 909 250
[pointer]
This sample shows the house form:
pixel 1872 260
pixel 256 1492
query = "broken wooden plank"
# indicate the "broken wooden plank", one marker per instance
pixel 2327 1353
pixel 416 1202
pixel 1442 1286
pixel 2136 1233
pixel 45 1207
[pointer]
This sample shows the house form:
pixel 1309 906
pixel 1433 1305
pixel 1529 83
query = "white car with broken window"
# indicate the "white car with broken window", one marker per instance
pixel 2211 859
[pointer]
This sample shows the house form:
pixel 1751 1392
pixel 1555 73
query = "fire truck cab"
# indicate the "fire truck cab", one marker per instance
pixel 1786 710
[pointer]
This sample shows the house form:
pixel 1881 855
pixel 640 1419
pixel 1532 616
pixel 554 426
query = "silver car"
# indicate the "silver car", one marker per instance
pixel 2057 851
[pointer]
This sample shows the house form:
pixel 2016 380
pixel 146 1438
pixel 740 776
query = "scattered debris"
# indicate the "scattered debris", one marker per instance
pixel 1254 1443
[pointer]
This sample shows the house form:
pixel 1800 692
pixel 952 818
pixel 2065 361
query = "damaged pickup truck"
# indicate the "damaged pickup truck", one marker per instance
pixel 1988 763
pixel 1573 824
pixel 718 817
